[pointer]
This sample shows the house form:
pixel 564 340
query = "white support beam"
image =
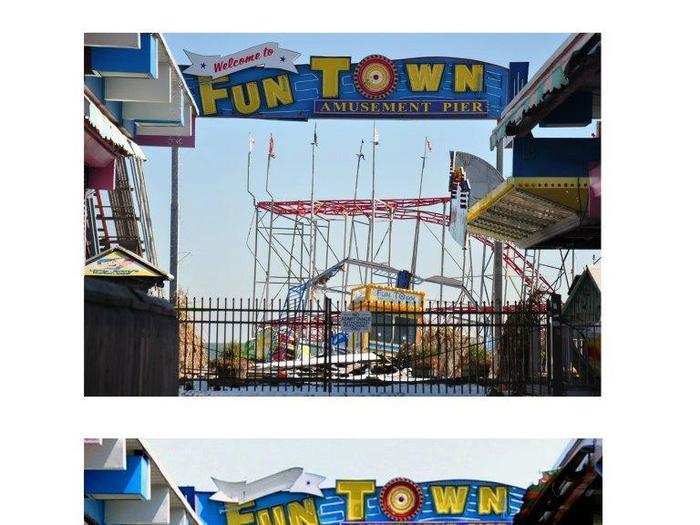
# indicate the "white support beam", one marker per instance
pixel 162 130
pixel 178 517
pixel 155 511
pixel 110 455
pixel 141 89
pixel 171 113
pixel 121 40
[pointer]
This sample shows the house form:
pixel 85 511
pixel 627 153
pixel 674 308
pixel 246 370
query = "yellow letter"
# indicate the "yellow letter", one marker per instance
pixel 210 95
pixel 356 490
pixel 330 68
pixel 305 515
pixel 449 499
pixel 278 517
pixel 239 99
pixel 424 77
pixel 469 79
pixel 234 517
pixel 491 501
pixel 277 90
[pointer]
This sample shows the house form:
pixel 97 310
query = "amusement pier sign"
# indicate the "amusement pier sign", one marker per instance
pixel 293 497
pixel 263 82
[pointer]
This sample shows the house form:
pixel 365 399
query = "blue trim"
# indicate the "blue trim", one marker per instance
pixel 143 61
pixel 97 86
pixel 94 509
pixel 133 481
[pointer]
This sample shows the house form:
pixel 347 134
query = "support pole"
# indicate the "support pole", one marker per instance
pixel 255 254
pixel 416 233
pixel 497 292
pixel 174 219
pixel 442 248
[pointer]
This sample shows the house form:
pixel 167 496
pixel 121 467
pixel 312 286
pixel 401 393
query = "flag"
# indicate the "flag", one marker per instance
pixel 375 138
pixel 271 148
pixel 428 144
pixel 315 141
pixel 251 142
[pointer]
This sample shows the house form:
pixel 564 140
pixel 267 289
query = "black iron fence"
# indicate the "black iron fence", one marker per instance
pixel 249 347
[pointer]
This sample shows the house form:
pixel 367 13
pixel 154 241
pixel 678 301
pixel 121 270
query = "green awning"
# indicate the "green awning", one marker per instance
pixel 550 78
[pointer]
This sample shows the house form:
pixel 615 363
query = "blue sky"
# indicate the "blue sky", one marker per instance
pixel 215 211
pixel 517 462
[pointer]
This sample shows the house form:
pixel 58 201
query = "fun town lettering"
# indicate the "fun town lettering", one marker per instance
pixel 447 501
pixel 277 91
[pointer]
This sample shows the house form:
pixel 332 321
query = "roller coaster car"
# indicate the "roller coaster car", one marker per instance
pixel 396 317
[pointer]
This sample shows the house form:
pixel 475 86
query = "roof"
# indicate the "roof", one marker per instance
pixel 160 477
pixel 181 80
pixel 593 271
pixel 555 75
pixel 576 476
pixel 120 262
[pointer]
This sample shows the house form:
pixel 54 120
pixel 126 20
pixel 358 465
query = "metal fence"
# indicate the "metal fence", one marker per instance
pixel 253 347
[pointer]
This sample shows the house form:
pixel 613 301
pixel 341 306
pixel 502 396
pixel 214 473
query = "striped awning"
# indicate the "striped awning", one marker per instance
pixel 550 78
pixel 109 131
pixel 522 210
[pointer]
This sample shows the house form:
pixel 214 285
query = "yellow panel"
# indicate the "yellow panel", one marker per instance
pixel 570 192
pixel 386 298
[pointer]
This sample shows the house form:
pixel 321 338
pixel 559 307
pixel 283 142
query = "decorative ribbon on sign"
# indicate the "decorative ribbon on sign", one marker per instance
pixel 268 55
pixel 293 480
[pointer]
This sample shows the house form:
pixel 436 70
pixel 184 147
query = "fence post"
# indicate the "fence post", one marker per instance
pixel 327 335
pixel 554 307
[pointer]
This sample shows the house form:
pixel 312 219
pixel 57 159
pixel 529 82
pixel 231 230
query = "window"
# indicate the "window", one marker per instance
pixel 404 330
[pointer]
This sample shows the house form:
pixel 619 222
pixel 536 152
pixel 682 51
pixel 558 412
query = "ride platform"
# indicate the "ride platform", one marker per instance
pixel 536 212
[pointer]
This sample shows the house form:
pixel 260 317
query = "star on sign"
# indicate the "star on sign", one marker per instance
pixel 204 66
pixel 282 59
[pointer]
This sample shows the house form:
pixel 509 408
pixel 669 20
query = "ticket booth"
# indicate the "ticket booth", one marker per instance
pixel 396 317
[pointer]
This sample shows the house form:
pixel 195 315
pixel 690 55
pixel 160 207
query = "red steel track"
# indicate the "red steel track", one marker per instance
pixel 402 209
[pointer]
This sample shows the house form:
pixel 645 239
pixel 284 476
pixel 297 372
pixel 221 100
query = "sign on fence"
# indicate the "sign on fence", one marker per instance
pixel 355 321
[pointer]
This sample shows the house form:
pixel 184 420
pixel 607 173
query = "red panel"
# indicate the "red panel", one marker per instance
pixel 102 178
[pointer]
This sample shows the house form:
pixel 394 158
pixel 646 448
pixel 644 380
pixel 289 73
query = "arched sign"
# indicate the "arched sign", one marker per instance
pixel 263 82
pixel 298 500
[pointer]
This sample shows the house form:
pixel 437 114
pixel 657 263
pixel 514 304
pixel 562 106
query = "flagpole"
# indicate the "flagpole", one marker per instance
pixel 359 156
pixel 414 258
pixel 255 210
pixel 374 208
pixel 270 154
pixel 312 239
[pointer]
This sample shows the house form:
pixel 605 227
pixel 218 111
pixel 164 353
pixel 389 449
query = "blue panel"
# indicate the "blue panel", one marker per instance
pixel 95 509
pixel 210 512
pixel 143 61
pixel 518 78
pixel 97 86
pixel 133 481
pixel 401 103
pixel 188 492
pixel 554 157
